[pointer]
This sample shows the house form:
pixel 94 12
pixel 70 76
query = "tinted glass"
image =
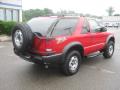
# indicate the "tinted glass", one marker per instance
pixel 94 25
pixel 86 28
pixel 41 25
pixel 64 27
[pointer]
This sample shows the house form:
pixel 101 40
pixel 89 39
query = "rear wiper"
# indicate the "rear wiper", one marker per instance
pixel 69 29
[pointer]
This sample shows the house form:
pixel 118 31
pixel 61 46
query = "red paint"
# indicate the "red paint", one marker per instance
pixel 91 42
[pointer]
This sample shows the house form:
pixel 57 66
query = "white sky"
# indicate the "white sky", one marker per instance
pixel 94 7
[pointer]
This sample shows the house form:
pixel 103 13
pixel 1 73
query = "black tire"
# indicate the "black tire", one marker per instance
pixel 27 37
pixel 66 68
pixel 106 52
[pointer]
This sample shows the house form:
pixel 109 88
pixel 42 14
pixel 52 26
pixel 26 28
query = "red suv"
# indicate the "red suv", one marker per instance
pixel 61 40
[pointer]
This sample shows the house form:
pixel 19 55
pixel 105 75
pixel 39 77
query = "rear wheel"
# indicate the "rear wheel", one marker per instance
pixel 72 63
pixel 109 50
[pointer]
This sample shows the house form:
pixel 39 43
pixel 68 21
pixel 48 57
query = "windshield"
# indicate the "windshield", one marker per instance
pixel 41 24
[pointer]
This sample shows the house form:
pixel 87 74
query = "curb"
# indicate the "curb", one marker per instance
pixel 4 38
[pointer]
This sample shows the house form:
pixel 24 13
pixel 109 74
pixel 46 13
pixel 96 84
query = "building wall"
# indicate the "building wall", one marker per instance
pixel 11 10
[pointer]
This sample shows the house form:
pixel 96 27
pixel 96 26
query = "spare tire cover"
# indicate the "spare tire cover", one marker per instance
pixel 22 37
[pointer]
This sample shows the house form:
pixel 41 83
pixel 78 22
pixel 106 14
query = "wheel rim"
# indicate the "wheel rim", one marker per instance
pixel 73 64
pixel 18 38
pixel 111 49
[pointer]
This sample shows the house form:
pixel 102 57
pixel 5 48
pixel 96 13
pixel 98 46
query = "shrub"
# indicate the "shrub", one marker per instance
pixel 6 27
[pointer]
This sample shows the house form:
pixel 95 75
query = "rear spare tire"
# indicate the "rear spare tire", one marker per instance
pixel 22 37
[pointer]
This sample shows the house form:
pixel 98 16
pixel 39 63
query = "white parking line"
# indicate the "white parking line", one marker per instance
pixel 2 46
pixel 101 69
pixel 107 71
pixel 10 55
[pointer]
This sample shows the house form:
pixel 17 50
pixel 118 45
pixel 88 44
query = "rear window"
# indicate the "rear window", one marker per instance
pixel 65 27
pixel 41 24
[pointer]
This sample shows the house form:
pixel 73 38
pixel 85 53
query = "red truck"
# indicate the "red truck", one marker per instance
pixel 61 40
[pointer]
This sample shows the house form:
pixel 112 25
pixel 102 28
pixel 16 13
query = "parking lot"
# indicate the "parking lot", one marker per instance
pixel 95 73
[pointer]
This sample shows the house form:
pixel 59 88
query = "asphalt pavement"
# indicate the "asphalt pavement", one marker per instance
pixel 95 73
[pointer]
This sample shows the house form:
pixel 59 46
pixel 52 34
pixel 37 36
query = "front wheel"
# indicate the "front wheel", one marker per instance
pixel 109 50
pixel 72 63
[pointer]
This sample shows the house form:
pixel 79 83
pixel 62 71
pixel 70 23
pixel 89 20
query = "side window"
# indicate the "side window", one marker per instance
pixel 94 25
pixel 64 27
pixel 86 28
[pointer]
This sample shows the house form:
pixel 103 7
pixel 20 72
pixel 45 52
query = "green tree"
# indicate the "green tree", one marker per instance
pixel 110 11
pixel 28 14
pixel 48 12
pixel 61 13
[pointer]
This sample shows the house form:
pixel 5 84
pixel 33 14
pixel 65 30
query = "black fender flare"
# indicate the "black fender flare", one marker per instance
pixel 110 37
pixel 69 46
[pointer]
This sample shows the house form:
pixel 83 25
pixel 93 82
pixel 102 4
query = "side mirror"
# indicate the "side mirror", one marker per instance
pixel 103 29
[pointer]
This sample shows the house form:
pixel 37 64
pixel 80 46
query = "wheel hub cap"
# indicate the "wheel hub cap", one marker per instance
pixel 73 64
pixel 18 38
pixel 110 49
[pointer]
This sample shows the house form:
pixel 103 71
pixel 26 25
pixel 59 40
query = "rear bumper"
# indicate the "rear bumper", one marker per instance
pixel 52 59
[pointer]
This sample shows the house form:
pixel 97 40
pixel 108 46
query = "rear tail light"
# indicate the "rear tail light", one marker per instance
pixel 48 50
